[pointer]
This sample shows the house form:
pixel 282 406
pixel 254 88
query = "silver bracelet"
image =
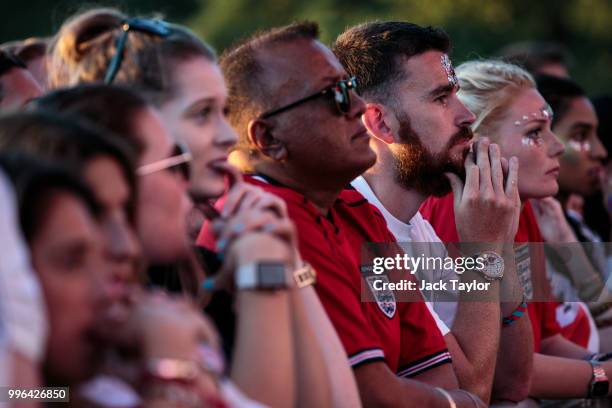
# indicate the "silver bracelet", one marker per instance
pixel 471 396
pixel 448 397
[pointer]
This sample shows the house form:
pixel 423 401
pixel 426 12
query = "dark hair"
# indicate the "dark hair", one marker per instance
pixel 28 49
pixel 86 43
pixel 373 53
pixel 558 92
pixel 111 107
pixel 248 95
pixel 35 182
pixel 603 107
pixel 68 139
pixel 532 55
pixel 9 61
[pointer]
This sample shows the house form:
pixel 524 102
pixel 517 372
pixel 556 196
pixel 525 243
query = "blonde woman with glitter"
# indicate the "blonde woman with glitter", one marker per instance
pixel 512 113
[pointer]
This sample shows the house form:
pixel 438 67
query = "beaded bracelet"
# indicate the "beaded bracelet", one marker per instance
pixel 516 314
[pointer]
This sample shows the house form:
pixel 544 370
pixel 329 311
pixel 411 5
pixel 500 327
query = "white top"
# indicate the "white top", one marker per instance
pixel 22 312
pixel 416 238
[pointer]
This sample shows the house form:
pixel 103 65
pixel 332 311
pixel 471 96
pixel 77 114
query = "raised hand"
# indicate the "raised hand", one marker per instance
pixel 487 208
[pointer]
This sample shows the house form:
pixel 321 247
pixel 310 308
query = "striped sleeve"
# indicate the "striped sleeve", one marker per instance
pixel 366 356
pixel 424 364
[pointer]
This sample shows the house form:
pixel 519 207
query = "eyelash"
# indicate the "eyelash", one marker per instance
pixel 203 113
pixel 581 136
pixel 441 99
pixel 534 133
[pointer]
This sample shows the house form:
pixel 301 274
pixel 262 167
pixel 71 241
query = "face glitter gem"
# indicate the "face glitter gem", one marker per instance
pixel 450 71
pixel 543 114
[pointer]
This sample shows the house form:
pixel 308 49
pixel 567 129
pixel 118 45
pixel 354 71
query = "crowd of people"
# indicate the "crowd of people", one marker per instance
pixel 186 230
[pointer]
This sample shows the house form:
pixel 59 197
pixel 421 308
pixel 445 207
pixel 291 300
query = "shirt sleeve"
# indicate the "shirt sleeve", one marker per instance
pixel 423 346
pixel 339 289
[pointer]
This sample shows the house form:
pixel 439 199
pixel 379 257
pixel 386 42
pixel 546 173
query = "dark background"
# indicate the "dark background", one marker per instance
pixel 478 28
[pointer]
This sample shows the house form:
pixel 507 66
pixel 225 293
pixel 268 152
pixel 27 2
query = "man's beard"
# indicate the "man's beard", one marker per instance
pixel 416 168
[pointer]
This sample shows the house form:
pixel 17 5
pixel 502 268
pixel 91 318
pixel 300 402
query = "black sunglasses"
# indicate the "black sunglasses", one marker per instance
pixel 178 162
pixel 154 27
pixel 338 91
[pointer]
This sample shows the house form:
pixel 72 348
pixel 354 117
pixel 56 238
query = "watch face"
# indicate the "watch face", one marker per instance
pixel 599 388
pixel 494 265
pixel 271 275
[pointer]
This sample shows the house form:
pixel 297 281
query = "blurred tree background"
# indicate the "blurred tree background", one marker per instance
pixel 478 28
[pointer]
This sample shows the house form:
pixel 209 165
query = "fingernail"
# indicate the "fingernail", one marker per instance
pixel 208 284
pixel 268 228
pixel 221 245
pixel 238 228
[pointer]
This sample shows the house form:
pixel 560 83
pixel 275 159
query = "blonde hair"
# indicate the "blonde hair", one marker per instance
pixel 86 43
pixel 487 87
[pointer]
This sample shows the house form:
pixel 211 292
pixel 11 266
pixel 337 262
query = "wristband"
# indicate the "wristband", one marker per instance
pixel 305 276
pixel 448 397
pixel 516 314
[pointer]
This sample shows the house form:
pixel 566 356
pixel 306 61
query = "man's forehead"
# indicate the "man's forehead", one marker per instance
pixel 428 71
pixel 304 61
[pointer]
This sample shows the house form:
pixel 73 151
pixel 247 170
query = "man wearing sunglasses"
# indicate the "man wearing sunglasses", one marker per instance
pixel 300 134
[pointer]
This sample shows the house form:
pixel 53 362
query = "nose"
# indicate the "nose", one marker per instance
pixel 464 117
pixel 358 106
pixel 555 147
pixel 598 151
pixel 122 247
pixel 226 137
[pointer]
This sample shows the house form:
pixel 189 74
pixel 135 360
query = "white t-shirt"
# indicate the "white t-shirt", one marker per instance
pixel 22 311
pixel 416 238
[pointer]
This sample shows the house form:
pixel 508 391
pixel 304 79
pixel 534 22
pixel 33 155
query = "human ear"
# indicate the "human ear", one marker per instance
pixel 261 137
pixel 376 121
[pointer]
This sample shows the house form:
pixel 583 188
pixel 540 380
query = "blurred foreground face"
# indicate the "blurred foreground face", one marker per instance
pixel 67 255
pixel 17 87
pixel 121 249
pixel 196 116
pixel 582 163
pixel 162 197
pixel 532 142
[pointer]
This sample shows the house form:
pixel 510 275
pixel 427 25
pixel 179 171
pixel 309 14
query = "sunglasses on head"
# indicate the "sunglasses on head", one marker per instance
pixel 339 92
pixel 154 27
pixel 178 162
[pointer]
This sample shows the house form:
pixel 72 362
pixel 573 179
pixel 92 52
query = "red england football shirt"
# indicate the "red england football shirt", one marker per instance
pixel 530 261
pixel 407 339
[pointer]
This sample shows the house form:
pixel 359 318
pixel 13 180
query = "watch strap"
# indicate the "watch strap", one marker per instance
pixel 599 377
pixel 261 276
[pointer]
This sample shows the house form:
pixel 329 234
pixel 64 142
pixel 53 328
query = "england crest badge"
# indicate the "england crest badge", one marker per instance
pixel 384 297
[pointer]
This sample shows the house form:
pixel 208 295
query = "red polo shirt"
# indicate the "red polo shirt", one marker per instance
pixel 408 339
pixel 530 261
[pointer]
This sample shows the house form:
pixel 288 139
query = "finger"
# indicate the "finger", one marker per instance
pixel 234 198
pixel 504 164
pixel 497 173
pixel 248 221
pixel 471 186
pixel 249 201
pixel 274 204
pixel 457 187
pixel 484 165
pixel 512 181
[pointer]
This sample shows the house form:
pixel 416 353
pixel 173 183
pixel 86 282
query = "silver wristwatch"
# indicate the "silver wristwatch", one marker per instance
pixel 491 265
pixel 262 276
